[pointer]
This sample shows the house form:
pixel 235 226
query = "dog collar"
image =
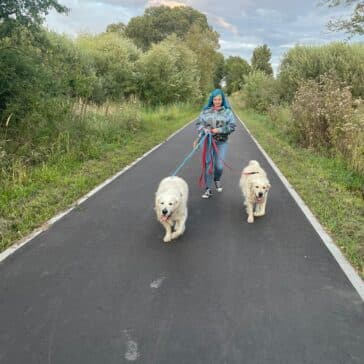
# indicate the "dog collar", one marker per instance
pixel 250 172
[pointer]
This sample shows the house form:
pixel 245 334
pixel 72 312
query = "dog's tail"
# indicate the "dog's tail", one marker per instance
pixel 254 163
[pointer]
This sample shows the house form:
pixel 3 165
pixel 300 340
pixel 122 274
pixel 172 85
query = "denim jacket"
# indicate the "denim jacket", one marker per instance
pixel 222 119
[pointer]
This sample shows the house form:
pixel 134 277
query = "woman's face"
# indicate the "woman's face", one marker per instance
pixel 217 101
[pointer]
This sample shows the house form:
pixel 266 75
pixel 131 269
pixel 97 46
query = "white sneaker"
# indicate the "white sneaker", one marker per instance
pixel 218 186
pixel 207 194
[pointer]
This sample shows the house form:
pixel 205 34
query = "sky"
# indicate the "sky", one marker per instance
pixel 242 24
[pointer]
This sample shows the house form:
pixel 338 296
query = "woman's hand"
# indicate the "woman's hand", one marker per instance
pixel 214 131
pixel 195 143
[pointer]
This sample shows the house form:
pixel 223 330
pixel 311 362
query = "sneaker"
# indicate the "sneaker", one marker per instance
pixel 207 194
pixel 218 186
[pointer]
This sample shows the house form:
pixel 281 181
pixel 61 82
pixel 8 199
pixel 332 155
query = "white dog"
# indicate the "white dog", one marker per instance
pixel 254 185
pixel 171 206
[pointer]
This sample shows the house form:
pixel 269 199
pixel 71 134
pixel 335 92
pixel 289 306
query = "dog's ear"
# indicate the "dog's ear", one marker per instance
pixel 268 186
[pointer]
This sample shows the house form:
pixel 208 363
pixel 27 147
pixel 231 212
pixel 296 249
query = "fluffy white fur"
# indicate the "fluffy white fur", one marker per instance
pixel 171 206
pixel 254 185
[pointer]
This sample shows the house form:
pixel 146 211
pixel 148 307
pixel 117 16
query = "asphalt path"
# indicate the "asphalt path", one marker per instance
pixel 100 286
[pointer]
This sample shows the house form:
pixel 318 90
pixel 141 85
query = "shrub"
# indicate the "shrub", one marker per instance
pixel 260 91
pixel 324 117
pixel 302 63
pixel 168 73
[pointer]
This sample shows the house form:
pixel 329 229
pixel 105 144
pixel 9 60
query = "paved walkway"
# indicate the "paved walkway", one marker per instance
pixel 100 286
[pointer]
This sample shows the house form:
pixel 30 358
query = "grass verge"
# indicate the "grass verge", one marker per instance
pixel 31 194
pixel 332 191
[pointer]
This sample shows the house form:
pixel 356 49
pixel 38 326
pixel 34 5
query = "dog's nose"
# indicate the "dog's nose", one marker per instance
pixel 164 211
pixel 260 194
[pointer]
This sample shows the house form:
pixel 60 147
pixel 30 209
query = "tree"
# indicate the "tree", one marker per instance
pixel 261 58
pixel 168 72
pixel 116 28
pixel 159 22
pixel 204 42
pixel 27 12
pixel 235 70
pixel 219 70
pixel 355 24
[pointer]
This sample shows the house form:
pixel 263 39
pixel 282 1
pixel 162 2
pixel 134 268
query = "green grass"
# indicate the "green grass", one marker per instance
pixel 332 191
pixel 31 194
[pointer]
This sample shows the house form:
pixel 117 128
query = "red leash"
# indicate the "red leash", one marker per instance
pixel 208 147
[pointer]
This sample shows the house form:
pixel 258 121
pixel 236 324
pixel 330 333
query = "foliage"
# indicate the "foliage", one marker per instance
pixel 302 63
pixel 168 72
pixel 324 117
pixel 114 57
pixel 204 43
pixel 116 28
pixel 260 91
pixel 261 59
pixel 159 22
pixel 26 12
pixel 352 26
pixel 236 69
pixel 219 70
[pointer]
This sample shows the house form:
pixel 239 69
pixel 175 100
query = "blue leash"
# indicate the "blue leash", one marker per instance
pixel 189 155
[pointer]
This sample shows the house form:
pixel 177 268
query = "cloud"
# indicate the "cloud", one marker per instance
pixel 87 16
pixel 170 3
pixel 223 23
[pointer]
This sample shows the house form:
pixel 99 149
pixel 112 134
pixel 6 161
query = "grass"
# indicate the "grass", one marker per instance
pixel 325 179
pixel 31 193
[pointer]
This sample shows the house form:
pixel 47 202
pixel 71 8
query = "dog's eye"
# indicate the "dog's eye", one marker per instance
pixel 162 203
pixel 256 186
pixel 264 188
pixel 170 204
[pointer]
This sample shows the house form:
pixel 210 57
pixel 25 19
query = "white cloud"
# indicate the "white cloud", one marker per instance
pixel 223 23
pixel 169 3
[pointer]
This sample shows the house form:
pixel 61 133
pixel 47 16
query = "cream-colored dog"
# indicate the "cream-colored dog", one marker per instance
pixel 254 185
pixel 171 206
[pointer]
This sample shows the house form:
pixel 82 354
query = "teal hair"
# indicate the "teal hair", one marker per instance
pixel 214 93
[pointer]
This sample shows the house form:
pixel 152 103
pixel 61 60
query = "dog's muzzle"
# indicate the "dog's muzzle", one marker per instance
pixel 259 198
pixel 165 215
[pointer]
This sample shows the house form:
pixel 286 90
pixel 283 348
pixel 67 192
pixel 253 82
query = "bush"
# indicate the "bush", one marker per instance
pixel 260 91
pixel 324 118
pixel 114 60
pixel 168 73
pixel 302 63
pixel 281 116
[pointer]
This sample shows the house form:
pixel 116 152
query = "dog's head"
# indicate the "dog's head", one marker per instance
pixel 167 203
pixel 259 189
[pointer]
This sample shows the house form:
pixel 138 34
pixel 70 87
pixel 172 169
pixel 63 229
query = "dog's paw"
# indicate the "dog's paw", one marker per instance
pixel 250 219
pixel 175 235
pixel 259 213
pixel 167 238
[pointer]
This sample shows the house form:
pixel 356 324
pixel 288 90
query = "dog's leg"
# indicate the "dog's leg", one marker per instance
pixel 168 237
pixel 264 204
pixel 180 226
pixel 249 211
pixel 259 210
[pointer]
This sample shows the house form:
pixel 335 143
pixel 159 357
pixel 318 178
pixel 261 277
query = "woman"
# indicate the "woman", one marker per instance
pixel 216 120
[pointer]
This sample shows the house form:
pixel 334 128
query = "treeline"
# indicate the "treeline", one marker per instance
pixel 167 55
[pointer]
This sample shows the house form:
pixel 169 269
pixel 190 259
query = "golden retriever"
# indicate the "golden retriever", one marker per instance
pixel 171 206
pixel 254 185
